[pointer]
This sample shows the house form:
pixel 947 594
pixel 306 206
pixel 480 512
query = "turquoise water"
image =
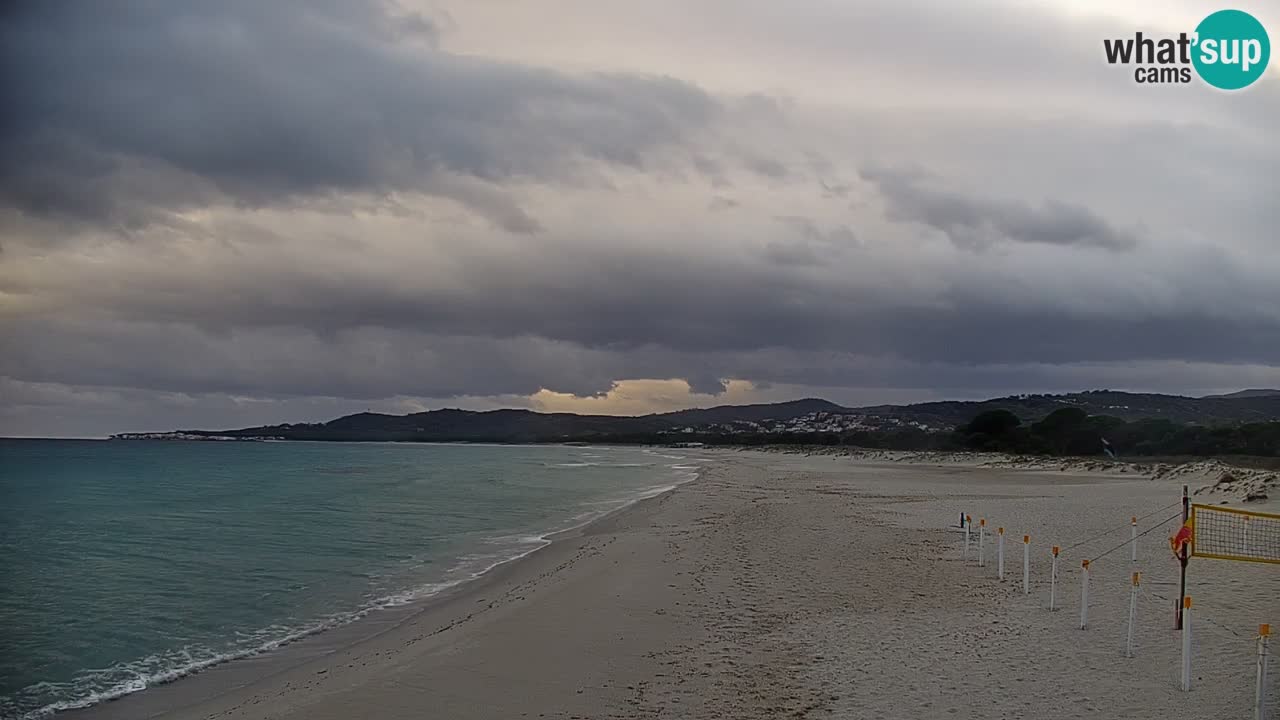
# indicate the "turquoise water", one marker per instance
pixel 126 564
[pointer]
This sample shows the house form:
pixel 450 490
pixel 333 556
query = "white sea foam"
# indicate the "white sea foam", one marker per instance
pixel 103 684
pixel 100 685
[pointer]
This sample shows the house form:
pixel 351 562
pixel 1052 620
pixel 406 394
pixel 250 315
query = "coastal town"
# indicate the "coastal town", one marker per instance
pixel 178 435
pixel 814 422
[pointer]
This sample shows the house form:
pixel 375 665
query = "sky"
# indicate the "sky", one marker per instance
pixel 226 214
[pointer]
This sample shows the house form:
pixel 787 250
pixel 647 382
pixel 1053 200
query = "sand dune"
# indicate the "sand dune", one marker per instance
pixel 1218 480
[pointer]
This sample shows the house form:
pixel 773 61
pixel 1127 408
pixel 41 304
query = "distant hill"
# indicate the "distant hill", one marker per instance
pixel 751 413
pixel 1126 406
pixel 809 415
pixel 1244 394
pixel 521 426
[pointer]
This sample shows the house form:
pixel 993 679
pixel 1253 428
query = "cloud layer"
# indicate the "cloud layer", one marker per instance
pixel 123 112
pixel 231 213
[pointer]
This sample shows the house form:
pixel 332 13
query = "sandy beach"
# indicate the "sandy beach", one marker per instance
pixel 785 585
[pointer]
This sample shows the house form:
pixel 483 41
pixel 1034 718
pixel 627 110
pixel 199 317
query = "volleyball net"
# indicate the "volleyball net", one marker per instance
pixel 1230 534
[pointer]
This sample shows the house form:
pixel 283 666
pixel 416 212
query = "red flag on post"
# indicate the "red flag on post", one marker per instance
pixel 1181 538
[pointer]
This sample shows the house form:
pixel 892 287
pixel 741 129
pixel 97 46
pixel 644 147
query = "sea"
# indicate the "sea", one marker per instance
pixel 127 564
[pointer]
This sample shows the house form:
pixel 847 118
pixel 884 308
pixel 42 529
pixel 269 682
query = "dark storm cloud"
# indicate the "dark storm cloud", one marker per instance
pixel 973 222
pixel 705 383
pixel 361 363
pixel 115 110
pixel 515 322
pixel 662 232
pixel 939 351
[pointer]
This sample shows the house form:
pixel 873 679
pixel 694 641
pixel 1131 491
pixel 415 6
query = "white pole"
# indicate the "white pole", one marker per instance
pixel 1084 594
pixel 1260 695
pixel 1133 607
pixel 982 541
pixel 1000 554
pixel 1186 643
pixel 1026 564
pixel 1133 539
pixel 967 522
pixel 1053 579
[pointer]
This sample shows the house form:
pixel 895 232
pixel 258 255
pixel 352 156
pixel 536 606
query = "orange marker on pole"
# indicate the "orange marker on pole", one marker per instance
pixel 1186 643
pixel 1133 539
pixel 982 542
pixel 1053 579
pixel 1026 564
pixel 1084 594
pixel 1260 693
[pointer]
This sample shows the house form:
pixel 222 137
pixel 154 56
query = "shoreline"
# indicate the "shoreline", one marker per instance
pixel 783 585
pixel 310 645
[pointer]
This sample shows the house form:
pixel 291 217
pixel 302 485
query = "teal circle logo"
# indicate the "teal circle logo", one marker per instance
pixel 1231 49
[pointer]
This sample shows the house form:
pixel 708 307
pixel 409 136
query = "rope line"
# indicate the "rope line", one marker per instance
pixel 1208 623
pixel 1198 618
pixel 1121 527
pixel 1144 532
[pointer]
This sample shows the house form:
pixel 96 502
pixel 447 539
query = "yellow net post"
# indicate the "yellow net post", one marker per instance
pixel 1183 555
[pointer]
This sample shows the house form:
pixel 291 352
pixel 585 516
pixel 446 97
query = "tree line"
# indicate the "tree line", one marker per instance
pixel 1064 432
